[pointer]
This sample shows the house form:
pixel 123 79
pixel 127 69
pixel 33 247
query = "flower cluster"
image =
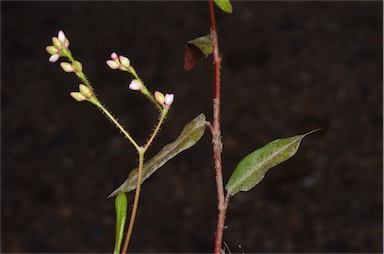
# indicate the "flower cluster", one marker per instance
pixel 164 100
pixel 60 44
pixel 119 62
pixel 75 67
pixel 84 94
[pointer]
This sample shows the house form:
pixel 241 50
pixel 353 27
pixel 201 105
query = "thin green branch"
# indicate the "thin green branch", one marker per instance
pixel 113 119
pixel 145 91
pixel 157 128
pixel 135 202
pixel 80 74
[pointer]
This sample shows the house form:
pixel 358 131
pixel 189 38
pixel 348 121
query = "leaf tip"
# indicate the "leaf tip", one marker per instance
pixel 312 131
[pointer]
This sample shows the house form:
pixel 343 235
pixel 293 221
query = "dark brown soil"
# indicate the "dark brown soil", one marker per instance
pixel 288 67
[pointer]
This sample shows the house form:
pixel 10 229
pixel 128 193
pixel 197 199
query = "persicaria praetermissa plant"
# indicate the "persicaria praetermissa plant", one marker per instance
pixel 248 173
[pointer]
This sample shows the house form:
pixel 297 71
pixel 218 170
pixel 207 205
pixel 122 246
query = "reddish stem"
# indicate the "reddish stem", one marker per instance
pixel 216 134
pixel 216 55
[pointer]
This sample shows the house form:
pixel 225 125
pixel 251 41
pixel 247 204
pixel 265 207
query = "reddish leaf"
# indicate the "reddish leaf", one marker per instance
pixel 191 56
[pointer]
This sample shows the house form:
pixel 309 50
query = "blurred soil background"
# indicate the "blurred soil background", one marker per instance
pixel 288 67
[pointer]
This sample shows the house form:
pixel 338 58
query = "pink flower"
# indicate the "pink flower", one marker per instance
pixel 113 64
pixel 118 62
pixel 59 43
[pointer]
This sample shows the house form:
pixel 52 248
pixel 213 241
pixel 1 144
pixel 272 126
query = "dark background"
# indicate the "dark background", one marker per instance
pixel 288 67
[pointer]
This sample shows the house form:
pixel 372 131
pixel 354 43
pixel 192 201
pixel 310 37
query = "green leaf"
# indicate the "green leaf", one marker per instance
pixel 190 135
pixel 121 216
pixel 203 43
pixel 252 169
pixel 224 5
pixel 195 49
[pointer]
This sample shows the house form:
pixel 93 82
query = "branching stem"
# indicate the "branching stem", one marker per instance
pixel 141 151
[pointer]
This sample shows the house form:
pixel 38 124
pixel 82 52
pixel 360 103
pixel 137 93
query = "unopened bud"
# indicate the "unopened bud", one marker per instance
pixel 169 98
pixel 61 37
pixel 51 50
pixel 85 90
pixel 54 58
pixel 124 61
pixel 56 42
pixel 135 85
pixel 159 97
pixel 67 67
pixel 79 66
pixel 114 56
pixel 113 64
pixel 78 96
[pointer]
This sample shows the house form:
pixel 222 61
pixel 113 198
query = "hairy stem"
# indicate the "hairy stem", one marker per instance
pixel 141 151
pixel 80 74
pixel 156 130
pixel 110 116
pixel 145 90
pixel 216 134
pixel 135 202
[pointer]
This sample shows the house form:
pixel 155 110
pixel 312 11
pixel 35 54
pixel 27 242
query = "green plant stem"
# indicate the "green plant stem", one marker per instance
pixel 145 91
pixel 216 134
pixel 141 151
pixel 157 128
pixel 79 74
pixel 106 112
pixel 135 202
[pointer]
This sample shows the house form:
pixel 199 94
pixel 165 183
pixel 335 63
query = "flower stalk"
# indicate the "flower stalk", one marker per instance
pixel 86 93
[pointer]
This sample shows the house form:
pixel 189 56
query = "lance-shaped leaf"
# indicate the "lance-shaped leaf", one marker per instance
pixel 121 216
pixel 190 135
pixel 195 49
pixel 224 5
pixel 251 170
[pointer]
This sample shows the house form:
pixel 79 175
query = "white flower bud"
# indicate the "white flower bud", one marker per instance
pixel 113 64
pixel 53 58
pixel 159 97
pixel 67 67
pixel 135 85
pixel 85 90
pixel 78 96
pixel 169 98
pixel 61 37
pixel 124 61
